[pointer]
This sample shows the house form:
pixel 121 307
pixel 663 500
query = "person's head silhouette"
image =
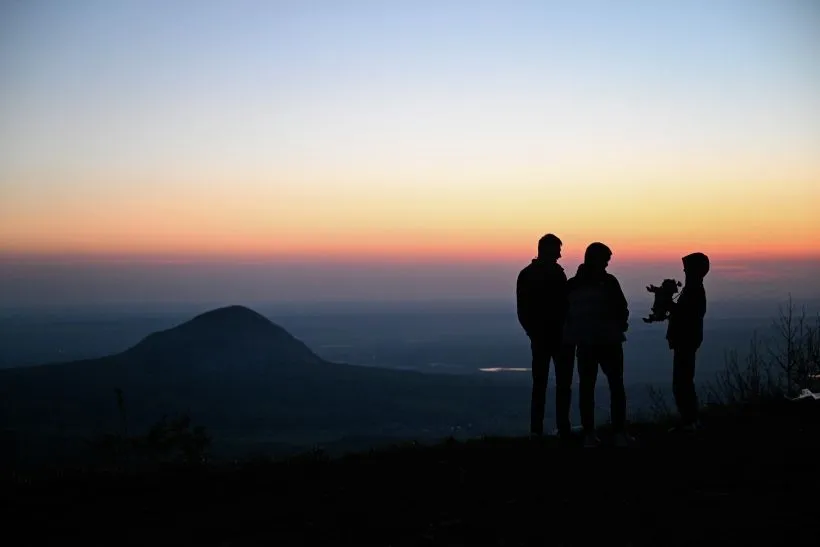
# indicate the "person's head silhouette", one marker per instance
pixel 597 256
pixel 695 266
pixel 549 248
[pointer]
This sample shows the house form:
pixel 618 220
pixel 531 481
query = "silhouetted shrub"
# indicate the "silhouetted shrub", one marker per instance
pixel 169 441
pixel 780 365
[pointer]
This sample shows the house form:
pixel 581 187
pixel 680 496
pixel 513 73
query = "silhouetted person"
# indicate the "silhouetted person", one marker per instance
pixel 685 335
pixel 541 303
pixel 597 319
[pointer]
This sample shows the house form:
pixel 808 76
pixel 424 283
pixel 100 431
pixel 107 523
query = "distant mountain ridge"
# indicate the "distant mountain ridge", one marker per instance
pixel 239 374
pixel 223 334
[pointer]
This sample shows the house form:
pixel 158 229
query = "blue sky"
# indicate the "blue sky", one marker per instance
pixel 371 130
pixel 91 80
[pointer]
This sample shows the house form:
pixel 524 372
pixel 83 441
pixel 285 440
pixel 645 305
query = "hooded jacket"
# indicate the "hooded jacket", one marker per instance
pixel 598 312
pixel 685 328
pixel 541 300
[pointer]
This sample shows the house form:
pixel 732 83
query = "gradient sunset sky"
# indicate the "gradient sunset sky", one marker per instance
pixel 385 132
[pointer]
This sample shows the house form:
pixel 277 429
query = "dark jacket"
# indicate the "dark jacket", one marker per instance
pixel 686 319
pixel 541 300
pixel 598 312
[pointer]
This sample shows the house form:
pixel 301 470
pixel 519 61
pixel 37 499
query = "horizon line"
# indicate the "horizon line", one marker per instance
pixel 147 257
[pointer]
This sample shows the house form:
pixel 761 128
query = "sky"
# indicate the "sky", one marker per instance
pixel 281 143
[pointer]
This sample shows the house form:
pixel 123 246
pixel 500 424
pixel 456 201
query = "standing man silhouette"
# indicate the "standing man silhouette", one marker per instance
pixel 541 300
pixel 597 319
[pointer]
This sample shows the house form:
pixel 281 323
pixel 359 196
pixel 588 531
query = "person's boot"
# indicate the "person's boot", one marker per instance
pixel 685 427
pixel 691 427
pixel 621 440
pixel 591 440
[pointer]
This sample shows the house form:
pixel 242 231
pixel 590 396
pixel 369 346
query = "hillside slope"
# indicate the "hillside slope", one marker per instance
pixel 239 374
pixel 748 478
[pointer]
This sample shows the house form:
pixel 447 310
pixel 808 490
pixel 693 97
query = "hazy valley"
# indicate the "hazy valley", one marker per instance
pixel 350 376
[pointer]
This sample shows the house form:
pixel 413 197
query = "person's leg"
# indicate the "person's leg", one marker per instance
pixel 612 365
pixel 588 376
pixel 564 359
pixel 540 373
pixel 683 384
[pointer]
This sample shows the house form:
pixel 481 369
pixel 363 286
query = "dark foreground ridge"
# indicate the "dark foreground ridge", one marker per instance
pixel 749 477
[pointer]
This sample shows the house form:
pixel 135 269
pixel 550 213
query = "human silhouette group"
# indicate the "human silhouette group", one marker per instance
pixel 585 318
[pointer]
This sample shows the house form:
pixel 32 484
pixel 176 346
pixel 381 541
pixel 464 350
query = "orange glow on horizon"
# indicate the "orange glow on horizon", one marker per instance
pixel 423 252
pixel 466 219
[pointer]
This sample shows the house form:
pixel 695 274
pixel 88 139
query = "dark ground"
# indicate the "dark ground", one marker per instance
pixel 745 479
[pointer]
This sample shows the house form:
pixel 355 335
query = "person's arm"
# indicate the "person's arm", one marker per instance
pixel 688 312
pixel 569 331
pixel 523 302
pixel 685 309
pixel 563 303
pixel 621 306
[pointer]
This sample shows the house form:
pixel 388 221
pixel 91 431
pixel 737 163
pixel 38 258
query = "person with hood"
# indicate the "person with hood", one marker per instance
pixel 597 319
pixel 685 335
pixel 541 302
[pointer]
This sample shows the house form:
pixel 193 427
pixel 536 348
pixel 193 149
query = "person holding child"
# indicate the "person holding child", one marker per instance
pixel 685 336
